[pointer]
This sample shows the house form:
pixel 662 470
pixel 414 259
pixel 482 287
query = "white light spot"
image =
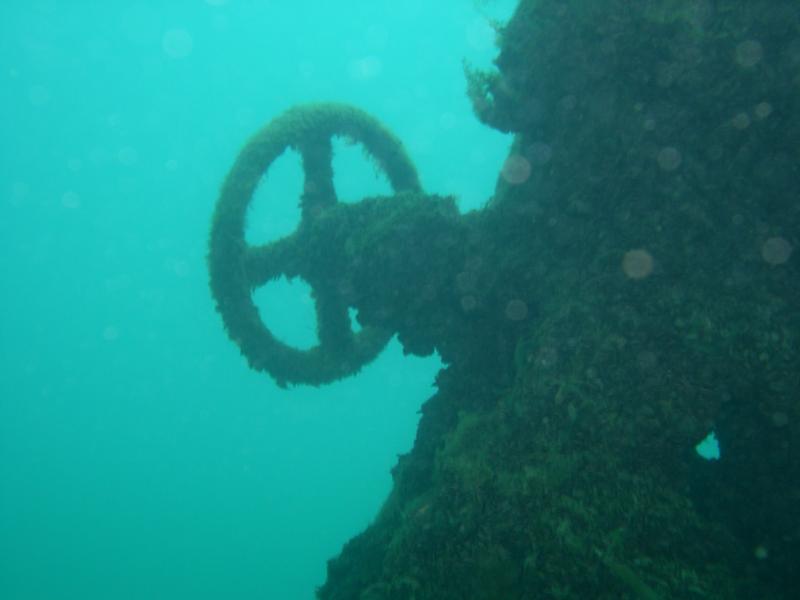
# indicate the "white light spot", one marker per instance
pixel 516 169
pixel 516 310
pixel 637 264
pixel 38 95
pixel 70 200
pixel 367 67
pixel 741 121
pixel 669 158
pixel 127 156
pixel 749 53
pixel 763 110
pixel 177 43
pixel 776 250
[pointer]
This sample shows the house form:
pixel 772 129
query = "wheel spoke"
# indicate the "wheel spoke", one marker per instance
pixel 333 321
pixel 318 190
pixel 269 261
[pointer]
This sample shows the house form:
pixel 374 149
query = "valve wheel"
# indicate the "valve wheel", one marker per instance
pixel 237 268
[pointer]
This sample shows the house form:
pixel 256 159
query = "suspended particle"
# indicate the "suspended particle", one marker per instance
pixel 516 169
pixel 776 250
pixel 516 310
pixel 637 264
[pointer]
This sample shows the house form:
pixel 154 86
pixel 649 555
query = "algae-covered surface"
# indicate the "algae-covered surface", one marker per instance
pixel 632 286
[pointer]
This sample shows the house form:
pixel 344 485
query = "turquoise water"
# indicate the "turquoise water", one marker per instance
pixel 139 456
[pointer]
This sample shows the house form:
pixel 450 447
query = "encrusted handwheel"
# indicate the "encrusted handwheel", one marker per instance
pixel 237 268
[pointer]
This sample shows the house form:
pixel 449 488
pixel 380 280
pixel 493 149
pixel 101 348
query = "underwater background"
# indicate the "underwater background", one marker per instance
pixel 139 456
